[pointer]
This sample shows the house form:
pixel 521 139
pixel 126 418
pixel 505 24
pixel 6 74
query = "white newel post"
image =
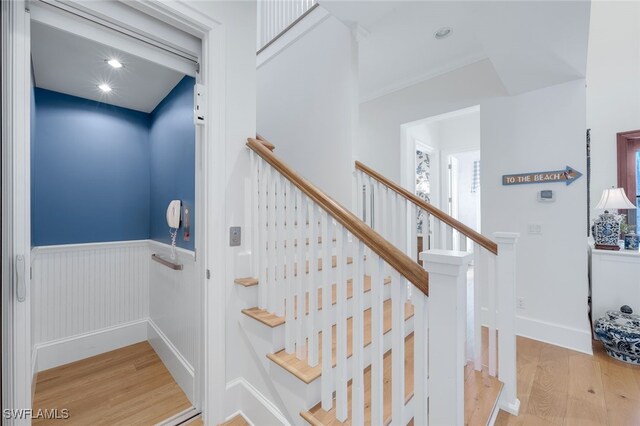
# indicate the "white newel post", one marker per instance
pixel 506 294
pixel 447 282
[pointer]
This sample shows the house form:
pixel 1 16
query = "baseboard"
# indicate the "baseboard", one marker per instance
pixel 552 333
pixel 555 334
pixel 254 406
pixel 178 366
pixel 59 352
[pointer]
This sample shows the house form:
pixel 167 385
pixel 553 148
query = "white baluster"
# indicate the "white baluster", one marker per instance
pixel 359 195
pixel 312 335
pixel 413 232
pixel 272 242
pixel 357 387
pixel 263 286
pixel 368 201
pixel 398 300
pixel 447 279
pixel 281 282
pixel 291 279
pixel 506 285
pixel 476 336
pixel 301 347
pixel 377 339
pixel 341 324
pixel 255 257
pixel 326 383
pixel 491 317
pixel 420 356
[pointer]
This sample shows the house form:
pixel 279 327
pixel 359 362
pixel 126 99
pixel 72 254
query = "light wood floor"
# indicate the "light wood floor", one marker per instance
pixel 128 386
pixel 557 386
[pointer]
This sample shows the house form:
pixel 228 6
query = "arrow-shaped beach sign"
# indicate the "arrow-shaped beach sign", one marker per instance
pixel 568 175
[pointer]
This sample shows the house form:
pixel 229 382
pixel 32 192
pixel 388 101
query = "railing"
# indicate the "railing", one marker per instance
pixel 393 212
pixel 299 234
pixel 275 17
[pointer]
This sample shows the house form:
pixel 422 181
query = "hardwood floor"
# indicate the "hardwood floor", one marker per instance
pixel 557 386
pixel 128 386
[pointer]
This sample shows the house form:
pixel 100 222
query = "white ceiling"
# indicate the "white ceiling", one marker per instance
pixel 66 63
pixel 531 44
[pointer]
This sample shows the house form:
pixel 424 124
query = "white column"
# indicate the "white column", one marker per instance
pixel 447 280
pixel 506 293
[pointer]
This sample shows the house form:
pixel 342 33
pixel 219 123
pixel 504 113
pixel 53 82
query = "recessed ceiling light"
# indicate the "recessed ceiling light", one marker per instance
pixel 104 87
pixel 443 33
pixel 115 63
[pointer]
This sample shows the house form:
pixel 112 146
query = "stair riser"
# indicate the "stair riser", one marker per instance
pixel 308 395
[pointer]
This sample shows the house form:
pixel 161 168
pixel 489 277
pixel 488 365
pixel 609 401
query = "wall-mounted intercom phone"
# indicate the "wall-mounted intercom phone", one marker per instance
pixel 173 220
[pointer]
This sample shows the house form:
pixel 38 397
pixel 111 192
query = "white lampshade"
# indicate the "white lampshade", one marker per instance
pixel 614 198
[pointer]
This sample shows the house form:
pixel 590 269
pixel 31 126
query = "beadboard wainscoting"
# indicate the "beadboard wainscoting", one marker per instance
pixel 174 315
pixel 92 298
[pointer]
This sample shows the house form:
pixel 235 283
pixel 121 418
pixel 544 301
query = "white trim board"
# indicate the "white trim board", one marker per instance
pixel 255 407
pixel 74 348
pixel 552 333
pixel 309 22
pixel 178 366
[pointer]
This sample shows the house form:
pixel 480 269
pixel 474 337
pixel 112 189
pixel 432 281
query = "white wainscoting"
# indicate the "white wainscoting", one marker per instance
pixel 88 299
pixel 175 303
pixel 82 288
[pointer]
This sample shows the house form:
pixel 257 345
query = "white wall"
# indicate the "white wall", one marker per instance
pixel 536 131
pixel 307 105
pixel 529 132
pixel 613 86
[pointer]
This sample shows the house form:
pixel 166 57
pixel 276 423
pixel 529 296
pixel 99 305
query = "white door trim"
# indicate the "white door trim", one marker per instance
pixel 16 228
pixel 211 155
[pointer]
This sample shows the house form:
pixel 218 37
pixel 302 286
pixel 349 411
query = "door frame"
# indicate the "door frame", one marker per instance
pixel 210 217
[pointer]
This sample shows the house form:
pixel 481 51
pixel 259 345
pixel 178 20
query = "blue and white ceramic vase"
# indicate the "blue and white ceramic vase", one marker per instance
pixel 631 241
pixel 606 229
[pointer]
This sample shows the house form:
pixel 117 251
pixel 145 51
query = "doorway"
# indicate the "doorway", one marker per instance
pixel 18 298
pixel 440 162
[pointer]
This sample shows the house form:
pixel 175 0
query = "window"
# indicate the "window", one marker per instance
pixel 629 171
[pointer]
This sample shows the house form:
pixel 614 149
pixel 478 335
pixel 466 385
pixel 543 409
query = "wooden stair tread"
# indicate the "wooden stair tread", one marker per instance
pixel 246 282
pixel 301 368
pixel 237 420
pixel 317 416
pixel 481 393
pixel 273 320
pixel 251 281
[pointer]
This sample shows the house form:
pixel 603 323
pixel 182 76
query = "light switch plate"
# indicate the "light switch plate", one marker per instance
pixel 535 229
pixel 235 236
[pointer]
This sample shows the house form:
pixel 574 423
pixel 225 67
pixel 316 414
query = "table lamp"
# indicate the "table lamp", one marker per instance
pixel 606 228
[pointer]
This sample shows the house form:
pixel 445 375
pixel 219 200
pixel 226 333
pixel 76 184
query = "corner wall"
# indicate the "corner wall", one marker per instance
pixel 172 146
pixel 540 130
pixel 307 105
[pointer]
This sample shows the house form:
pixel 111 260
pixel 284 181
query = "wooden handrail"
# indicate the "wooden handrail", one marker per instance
pixel 390 253
pixel 265 142
pixel 455 224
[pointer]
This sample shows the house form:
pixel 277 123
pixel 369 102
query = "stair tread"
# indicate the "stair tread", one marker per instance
pixel 251 281
pixel 481 392
pixel 246 282
pixel 301 368
pixel 272 320
pixel 317 416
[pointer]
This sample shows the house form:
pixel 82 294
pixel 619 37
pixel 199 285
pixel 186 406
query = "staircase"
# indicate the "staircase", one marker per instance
pixel 349 327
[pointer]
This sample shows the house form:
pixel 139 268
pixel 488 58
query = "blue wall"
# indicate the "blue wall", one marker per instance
pixel 90 171
pixel 103 173
pixel 173 153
